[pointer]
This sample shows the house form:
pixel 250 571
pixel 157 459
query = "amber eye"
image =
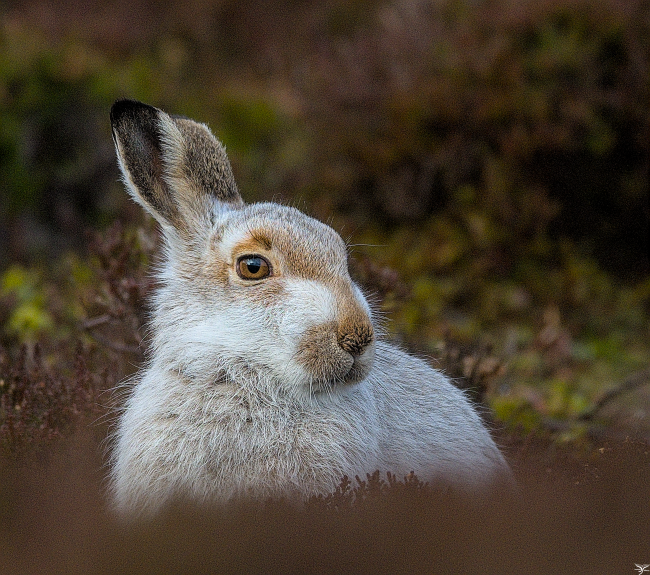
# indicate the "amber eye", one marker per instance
pixel 253 267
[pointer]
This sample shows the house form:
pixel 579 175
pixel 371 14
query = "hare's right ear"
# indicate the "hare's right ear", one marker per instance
pixel 174 167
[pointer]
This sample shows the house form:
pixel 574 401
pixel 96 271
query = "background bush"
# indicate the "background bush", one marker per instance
pixel 488 161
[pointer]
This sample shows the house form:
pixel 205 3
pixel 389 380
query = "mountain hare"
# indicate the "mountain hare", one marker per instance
pixel 266 376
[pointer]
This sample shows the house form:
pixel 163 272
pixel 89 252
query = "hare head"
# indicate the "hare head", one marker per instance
pixel 257 289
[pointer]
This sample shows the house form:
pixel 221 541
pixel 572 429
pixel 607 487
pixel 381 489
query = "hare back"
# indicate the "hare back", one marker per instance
pixel 429 426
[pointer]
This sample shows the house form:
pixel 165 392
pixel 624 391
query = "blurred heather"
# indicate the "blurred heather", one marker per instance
pixel 488 162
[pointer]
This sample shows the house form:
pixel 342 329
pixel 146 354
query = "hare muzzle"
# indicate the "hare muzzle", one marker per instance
pixel 338 352
pixel 356 338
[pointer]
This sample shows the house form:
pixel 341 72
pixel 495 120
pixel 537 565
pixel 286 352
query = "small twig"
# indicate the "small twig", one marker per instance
pixel 120 347
pixel 594 431
pixel 95 321
pixel 635 380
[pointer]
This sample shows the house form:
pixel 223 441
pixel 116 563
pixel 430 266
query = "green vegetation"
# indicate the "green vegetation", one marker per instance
pixel 488 161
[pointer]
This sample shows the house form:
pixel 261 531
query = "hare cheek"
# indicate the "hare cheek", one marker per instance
pixel 307 303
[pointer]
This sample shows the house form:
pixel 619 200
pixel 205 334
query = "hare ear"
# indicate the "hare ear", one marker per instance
pixel 174 167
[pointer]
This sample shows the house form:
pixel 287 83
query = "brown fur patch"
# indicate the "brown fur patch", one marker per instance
pixel 253 246
pixel 320 354
pixel 355 337
pixel 263 239
pixel 217 270
pixel 355 331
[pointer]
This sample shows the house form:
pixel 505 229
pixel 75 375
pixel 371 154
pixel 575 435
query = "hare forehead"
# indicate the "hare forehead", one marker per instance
pixel 308 247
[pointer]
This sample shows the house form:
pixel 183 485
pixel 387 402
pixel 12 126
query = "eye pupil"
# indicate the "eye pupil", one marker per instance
pixel 254 265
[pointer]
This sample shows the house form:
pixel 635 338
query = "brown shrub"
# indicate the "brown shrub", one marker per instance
pixel 39 403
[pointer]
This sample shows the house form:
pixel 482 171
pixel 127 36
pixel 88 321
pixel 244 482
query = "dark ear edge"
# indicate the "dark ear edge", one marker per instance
pixel 138 142
pixel 126 108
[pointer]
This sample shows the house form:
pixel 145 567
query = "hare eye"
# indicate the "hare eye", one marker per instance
pixel 253 267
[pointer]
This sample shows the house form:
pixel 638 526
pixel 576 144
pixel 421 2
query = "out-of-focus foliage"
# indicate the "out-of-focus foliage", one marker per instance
pixel 41 402
pixel 56 157
pixel 29 317
pixel 528 120
pixel 91 315
pixel 488 160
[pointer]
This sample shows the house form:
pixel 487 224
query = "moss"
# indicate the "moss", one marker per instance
pixel 516 413
pixel 28 316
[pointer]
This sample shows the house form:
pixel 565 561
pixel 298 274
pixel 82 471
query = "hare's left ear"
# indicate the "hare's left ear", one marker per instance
pixel 174 167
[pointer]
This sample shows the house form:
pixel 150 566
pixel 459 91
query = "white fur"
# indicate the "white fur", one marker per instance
pixel 225 407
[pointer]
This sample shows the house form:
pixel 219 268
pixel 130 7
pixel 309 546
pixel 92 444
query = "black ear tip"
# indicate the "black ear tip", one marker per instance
pixel 123 109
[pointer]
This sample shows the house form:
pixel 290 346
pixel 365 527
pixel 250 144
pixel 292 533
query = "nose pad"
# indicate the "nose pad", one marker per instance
pixel 355 338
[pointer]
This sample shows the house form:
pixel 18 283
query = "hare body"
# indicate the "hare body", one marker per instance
pixel 266 377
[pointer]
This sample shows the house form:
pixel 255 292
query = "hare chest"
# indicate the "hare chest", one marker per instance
pixel 242 443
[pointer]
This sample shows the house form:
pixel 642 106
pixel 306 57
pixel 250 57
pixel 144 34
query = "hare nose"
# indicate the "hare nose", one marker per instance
pixel 355 338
